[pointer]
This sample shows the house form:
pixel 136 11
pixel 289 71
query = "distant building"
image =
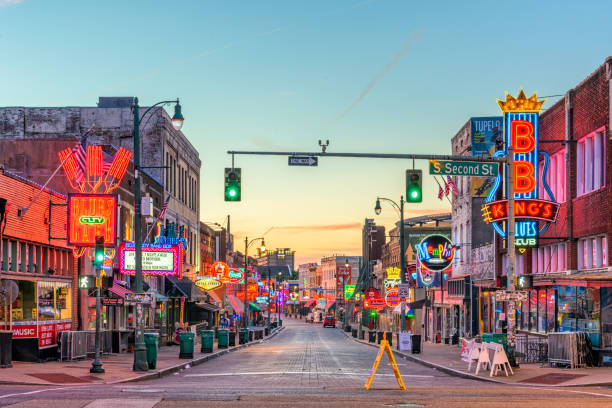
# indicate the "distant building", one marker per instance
pixel 281 260
pixel 335 274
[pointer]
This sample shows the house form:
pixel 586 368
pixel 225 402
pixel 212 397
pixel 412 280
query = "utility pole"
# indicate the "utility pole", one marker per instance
pixel 402 263
pixel 96 366
pixel 510 276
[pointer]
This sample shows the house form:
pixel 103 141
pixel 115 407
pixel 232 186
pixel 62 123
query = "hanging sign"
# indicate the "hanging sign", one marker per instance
pixel 220 270
pixel 371 293
pixel 392 298
pixel 436 252
pixel 349 290
pixel 377 303
pixel 533 214
pixel 207 283
pixel 89 216
pixel 157 259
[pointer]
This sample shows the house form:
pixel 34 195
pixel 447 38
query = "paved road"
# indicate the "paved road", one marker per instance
pixel 303 366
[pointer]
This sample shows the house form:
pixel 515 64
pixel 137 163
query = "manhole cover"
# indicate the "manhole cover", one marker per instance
pixel 60 378
pixel 554 378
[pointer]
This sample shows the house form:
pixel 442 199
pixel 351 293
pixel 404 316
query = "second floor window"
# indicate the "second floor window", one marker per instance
pixel 590 163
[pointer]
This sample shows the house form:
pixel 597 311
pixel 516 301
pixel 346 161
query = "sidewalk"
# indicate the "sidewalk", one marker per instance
pixel 446 358
pixel 118 367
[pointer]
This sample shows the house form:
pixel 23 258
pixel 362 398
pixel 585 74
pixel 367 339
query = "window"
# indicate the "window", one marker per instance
pixel 555 177
pixel 128 226
pixel 549 258
pixel 593 252
pixel 24 307
pixel 590 163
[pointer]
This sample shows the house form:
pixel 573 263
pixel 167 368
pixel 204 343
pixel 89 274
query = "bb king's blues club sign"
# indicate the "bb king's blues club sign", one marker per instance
pixel 533 214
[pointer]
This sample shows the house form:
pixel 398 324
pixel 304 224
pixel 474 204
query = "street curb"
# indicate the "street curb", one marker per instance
pixel 461 374
pixel 196 361
pixel 162 372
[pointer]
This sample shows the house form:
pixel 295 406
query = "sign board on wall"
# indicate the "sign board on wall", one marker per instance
pixel 89 216
pixel 157 259
pixel 207 283
pixel 485 133
pixel 436 252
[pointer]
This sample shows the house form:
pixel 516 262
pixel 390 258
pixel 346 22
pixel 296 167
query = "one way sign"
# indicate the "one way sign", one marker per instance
pixel 303 161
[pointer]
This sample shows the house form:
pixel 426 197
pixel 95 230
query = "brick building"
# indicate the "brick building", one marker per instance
pixel 36 261
pixel 571 270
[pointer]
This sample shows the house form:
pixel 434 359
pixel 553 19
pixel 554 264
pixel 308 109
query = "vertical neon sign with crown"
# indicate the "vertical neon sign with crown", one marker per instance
pixel 521 120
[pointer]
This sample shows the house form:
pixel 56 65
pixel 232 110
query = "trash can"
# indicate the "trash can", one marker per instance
pixel 251 334
pixel 266 331
pixel 243 336
pixel 231 338
pixel 379 336
pixel 372 337
pixel 362 335
pixel 223 338
pixel 499 338
pixel 280 323
pixel 6 348
pixel 208 339
pixel 186 347
pixel 354 332
pixel 389 337
pixel 151 345
pixel 347 328
pixel 416 343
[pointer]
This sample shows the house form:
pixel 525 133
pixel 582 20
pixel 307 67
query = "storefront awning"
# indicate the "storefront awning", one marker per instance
pixel 332 306
pixel 311 303
pixel 207 306
pixel 119 290
pixel 254 307
pixel 236 303
pixel 158 296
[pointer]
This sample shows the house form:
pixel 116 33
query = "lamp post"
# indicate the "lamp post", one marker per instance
pixel 140 357
pixel 247 243
pixel 278 299
pixel 400 208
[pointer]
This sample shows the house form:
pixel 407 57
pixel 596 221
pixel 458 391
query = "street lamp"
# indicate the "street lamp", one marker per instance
pixel 140 356
pixel 262 248
pixel 400 208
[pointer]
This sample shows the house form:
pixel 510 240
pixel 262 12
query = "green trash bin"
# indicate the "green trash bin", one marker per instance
pixel 280 322
pixel 186 347
pixel 499 338
pixel 151 345
pixel 208 339
pixel 243 336
pixel 222 338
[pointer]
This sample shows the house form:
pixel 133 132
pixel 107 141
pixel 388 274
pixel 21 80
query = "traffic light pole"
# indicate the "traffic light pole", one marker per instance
pixel 96 366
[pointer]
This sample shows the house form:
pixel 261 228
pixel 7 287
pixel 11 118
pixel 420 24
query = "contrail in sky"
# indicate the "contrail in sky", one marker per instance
pixel 398 57
pixel 329 227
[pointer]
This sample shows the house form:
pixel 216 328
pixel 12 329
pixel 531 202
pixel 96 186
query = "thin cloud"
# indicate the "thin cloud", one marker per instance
pixel 398 57
pixel 328 227
pixel 6 3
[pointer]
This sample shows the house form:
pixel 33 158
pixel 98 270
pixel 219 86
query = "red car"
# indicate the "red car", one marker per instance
pixel 329 321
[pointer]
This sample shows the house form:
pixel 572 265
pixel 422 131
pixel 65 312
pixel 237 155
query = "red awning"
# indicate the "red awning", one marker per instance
pixel 119 290
pixel 311 303
pixel 236 303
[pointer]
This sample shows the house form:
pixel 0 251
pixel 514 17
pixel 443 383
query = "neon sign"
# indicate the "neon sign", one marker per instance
pixel 88 172
pixel 157 259
pixel 207 283
pixel 521 132
pixel 392 298
pixel 89 216
pixel 436 252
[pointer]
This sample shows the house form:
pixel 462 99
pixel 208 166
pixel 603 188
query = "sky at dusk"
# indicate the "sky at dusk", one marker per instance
pixel 369 76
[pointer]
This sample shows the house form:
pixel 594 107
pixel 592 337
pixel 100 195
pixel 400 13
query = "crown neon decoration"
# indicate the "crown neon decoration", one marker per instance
pixel 92 173
pixel 521 103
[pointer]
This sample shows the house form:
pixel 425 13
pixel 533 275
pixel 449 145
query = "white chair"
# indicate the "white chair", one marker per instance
pixel 499 359
pixel 483 358
pixel 474 354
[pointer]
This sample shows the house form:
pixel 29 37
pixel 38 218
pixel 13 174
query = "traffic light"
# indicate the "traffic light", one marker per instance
pixel 99 252
pixel 86 282
pixel 373 313
pixel 414 186
pixel 107 282
pixel 232 184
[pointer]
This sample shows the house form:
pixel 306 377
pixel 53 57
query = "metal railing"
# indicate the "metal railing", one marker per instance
pixel 531 348
pixel 81 344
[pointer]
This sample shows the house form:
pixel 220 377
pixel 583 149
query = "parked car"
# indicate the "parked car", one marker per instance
pixel 329 321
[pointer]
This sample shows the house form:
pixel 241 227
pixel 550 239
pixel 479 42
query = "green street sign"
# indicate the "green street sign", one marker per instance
pixel 462 168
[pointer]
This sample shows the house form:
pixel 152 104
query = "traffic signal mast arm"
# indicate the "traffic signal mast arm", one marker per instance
pixel 501 159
